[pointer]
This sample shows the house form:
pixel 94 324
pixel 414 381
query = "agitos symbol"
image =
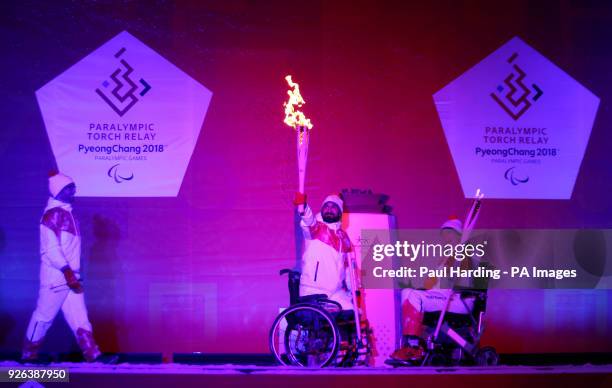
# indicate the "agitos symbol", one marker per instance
pixel 123 102
pixel 509 175
pixel 113 173
pixel 516 99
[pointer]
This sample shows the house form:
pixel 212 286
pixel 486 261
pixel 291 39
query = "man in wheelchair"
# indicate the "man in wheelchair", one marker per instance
pixel 324 264
pixel 321 327
pixel 431 314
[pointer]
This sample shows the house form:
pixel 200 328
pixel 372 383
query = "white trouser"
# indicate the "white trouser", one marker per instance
pixel 49 304
pixel 435 299
pixel 341 295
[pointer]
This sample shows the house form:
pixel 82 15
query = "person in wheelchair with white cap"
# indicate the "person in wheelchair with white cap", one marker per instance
pixel 416 302
pixel 324 263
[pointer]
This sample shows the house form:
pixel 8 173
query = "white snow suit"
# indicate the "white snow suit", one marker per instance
pixel 324 265
pixel 60 245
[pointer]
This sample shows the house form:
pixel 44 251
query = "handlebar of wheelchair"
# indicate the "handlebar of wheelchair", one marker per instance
pixel 286 270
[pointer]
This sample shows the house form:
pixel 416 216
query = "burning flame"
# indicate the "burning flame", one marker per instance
pixel 293 116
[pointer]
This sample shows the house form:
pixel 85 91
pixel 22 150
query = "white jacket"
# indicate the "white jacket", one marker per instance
pixel 60 243
pixel 324 268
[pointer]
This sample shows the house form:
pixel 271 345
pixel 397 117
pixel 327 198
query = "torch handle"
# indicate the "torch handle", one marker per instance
pixel 471 218
pixel 303 137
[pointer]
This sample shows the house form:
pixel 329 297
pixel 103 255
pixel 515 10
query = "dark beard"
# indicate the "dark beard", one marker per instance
pixel 330 219
pixel 65 199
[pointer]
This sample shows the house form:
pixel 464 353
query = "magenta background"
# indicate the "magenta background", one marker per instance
pixel 368 72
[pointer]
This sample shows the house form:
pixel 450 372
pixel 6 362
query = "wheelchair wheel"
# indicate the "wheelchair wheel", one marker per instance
pixel 304 335
pixel 487 356
pixel 436 358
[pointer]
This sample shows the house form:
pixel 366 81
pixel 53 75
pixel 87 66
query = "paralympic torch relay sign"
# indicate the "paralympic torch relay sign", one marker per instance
pixel 517 125
pixel 124 121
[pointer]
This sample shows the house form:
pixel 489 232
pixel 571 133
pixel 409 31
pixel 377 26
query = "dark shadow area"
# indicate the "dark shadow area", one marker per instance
pixel 103 263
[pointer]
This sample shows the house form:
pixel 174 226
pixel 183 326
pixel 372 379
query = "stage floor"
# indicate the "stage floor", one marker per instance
pixel 179 375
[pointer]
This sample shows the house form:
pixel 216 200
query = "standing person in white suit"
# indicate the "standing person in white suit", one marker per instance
pixel 324 262
pixel 60 280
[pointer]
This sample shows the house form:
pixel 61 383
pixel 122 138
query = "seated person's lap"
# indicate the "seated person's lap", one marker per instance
pixel 434 300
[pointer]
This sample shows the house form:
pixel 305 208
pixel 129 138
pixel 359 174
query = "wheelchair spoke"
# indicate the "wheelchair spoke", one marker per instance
pixel 304 336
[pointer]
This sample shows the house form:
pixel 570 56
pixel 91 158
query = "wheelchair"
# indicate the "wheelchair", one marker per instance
pixel 315 332
pixel 454 339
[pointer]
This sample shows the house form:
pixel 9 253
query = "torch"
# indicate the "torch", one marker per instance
pixel 468 226
pixel 472 216
pixel 298 121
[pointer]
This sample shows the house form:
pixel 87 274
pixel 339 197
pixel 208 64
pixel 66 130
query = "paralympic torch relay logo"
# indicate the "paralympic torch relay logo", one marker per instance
pixel 123 121
pixel 517 126
pixel 121 97
pixel 516 100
